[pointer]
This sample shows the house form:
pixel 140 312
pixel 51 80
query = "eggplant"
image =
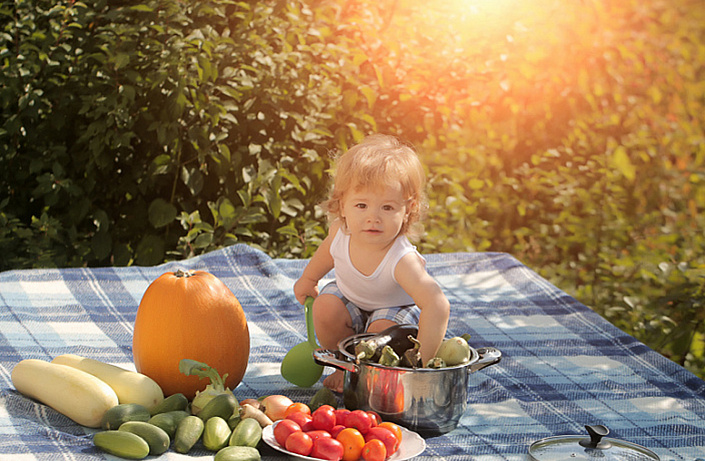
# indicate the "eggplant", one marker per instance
pixel 454 351
pixel 389 358
pixel 366 350
pixel 436 362
pixel 412 357
pixel 396 337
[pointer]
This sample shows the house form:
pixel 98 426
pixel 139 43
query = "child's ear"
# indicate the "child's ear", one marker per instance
pixel 411 206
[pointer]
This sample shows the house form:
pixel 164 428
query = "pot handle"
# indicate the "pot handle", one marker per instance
pixel 488 356
pixel 328 358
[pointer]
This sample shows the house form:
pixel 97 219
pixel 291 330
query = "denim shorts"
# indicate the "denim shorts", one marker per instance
pixel 361 319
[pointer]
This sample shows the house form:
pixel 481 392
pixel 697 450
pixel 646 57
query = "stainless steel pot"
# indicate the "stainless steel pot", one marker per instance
pixel 425 400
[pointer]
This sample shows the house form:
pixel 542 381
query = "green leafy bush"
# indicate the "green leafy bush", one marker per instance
pixel 134 133
pixel 569 135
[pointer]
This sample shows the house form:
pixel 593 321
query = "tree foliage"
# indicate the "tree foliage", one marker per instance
pixel 568 134
pixel 132 133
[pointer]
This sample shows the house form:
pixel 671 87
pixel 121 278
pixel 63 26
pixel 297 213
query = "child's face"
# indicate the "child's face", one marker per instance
pixel 375 215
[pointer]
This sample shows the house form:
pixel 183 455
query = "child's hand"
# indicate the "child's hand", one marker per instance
pixel 303 288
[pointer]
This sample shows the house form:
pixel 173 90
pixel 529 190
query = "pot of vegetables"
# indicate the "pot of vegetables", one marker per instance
pixel 383 373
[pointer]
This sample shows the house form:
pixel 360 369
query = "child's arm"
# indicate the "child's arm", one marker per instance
pixel 435 309
pixel 319 265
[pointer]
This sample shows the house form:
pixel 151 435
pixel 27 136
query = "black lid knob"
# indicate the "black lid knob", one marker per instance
pixel 595 441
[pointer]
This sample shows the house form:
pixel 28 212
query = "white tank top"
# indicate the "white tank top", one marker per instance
pixel 375 291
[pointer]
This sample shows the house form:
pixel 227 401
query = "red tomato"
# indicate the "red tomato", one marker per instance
pixel 300 418
pixel 284 429
pixel 396 430
pixel 374 417
pixel 327 448
pixel 336 430
pixel 325 407
pixel 374 450
pixel 340 414
pixel 359 420
pixel 386 436
pixel 317 434
pixel 299 443
pixel 308 426
pixel 324 418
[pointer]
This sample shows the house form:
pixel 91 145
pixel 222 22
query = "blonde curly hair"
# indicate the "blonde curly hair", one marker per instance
pixel 381 160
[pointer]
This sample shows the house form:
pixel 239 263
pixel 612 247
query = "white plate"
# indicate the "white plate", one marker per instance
pixel 412 444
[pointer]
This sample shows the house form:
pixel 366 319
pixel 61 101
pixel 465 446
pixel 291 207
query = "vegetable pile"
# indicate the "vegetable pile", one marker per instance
pixel 331 433
pixel 397 346
pixel 136 421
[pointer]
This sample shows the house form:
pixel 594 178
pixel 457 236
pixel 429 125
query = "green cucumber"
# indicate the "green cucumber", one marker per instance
pixel 216 434
pixel 247 433
pixel 121 413
pixel 223 405
pixel 172 403
pixel 188 432
pixel 238 454
pixel 234 420
pixel 156 438
pixel 168 421
pixel 122 443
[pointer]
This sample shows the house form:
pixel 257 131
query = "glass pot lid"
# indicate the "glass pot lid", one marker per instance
pixel 594 448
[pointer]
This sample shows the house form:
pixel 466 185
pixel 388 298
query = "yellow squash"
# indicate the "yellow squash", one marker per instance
pixel 130 386
pixel 72 392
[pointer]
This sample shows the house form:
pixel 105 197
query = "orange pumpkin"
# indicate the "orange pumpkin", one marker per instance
pixel 190 315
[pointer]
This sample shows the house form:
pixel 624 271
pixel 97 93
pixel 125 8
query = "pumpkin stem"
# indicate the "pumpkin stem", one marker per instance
pixel 183 273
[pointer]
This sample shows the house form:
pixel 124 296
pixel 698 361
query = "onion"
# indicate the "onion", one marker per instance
pixel 254 403
pixel 275 406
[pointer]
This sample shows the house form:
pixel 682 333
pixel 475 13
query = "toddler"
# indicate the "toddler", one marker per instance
pixel 376 201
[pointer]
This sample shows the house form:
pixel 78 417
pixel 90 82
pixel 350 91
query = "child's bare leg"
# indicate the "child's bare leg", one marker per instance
pixel 331 321
pixel 333 324
pixel 335 381
pixel 379 325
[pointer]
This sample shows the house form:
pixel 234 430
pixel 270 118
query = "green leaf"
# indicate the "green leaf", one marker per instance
pixel 143 8
pixel 288 230
pixel 161 213
pixel 476 184
pixel 150 251
pixel 226 210
pixel 121 60
pixel 101 220
pixel 623 163
pixel 101 245
pixel 203 240
pixel 193 178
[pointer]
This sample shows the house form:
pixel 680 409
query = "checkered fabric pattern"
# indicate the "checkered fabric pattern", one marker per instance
pixel 563 366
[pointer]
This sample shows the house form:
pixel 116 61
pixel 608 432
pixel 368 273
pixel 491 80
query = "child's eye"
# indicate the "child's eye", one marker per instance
pixel 388 208
pixel 361 205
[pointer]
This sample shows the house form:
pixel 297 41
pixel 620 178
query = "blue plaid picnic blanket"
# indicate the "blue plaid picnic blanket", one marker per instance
pixel 563 366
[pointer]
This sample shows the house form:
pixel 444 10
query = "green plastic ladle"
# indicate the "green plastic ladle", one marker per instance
pixel 298 366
